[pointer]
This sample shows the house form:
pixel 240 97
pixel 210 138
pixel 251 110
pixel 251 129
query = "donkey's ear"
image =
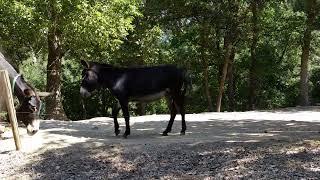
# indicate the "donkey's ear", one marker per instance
pixel 29 92
pixel 85 64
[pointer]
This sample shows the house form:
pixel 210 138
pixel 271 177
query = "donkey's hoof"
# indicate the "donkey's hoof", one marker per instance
pixel 127 133
pixel 117 132
pixel 182 133
pixel 125 136
pixel 165 133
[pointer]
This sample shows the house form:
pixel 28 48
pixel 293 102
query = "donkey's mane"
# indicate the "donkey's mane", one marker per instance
pixel 28 85
pixel 103 65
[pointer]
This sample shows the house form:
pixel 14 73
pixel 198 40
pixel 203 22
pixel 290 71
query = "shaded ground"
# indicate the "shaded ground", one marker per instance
pixel 282 144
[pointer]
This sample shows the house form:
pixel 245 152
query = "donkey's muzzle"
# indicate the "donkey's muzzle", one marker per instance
pixel 33 127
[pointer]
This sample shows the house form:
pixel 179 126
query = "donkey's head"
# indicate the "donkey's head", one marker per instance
pixel 90 79
pixel 28 111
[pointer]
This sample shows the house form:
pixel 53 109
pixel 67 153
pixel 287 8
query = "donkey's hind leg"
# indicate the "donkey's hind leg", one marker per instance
pixel 180 105
pixel 115 112
pixel 125 110
pixel 173 113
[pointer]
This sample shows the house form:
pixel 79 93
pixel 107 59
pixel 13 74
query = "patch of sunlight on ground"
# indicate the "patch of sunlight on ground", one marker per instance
pixel 252 134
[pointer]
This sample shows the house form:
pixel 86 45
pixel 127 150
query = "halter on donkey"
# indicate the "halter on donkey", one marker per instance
pixel 29 108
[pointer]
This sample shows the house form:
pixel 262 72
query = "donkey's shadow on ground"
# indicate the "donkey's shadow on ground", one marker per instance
pixel 208 130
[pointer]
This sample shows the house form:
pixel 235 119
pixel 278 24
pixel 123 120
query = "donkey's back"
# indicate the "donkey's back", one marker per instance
pixel 149 80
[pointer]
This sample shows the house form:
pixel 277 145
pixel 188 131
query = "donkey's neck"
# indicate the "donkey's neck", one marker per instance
pixel 4 65
pixel 19 85
pixel 109 77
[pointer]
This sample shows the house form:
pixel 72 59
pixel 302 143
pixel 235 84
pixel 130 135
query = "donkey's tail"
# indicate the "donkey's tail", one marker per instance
pixel 187 83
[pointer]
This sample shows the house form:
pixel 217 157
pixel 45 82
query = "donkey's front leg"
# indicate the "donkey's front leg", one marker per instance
pixel 125 111
pixel 181 107
pixel 115 112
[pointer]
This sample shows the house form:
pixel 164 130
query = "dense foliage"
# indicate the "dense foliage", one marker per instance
pixel 260 40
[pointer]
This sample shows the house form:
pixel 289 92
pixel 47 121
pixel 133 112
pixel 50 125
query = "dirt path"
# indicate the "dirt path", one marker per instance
pixel 281 144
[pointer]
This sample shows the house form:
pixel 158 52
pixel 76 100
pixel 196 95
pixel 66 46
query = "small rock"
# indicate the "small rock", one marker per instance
pixel 2 129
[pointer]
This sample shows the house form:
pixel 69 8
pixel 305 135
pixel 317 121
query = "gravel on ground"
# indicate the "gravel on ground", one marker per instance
pixel 280 144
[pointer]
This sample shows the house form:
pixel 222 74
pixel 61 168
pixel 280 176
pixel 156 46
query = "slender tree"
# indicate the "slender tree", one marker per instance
pixel 253 65
pixel 304 87
pixel 230 39
pixel 205 60
pixel 54 108
pixel 228 46
pixel 231 89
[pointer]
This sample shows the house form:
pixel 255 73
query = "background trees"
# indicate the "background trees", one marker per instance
pixel 65 29
pixel 311 8
pixel 241 55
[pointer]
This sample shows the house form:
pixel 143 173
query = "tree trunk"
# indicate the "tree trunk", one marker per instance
pixel 227 54
pixel 230 38
pixel 253 71
pixel 231 82
pixel 207 87
pixel 141 108
pixel 54 108
pixel 304 89
pixel 204 58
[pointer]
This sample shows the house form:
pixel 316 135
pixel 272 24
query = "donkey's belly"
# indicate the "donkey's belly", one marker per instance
pixel 150 97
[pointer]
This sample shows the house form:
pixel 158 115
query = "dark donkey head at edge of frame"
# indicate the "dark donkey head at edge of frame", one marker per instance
pixel 29 108
pixel 89 79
